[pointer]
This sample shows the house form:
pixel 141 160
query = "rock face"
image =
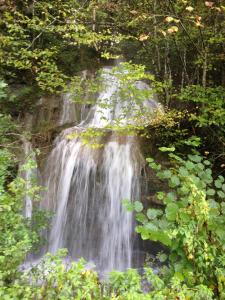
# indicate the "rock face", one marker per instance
pixel 85 186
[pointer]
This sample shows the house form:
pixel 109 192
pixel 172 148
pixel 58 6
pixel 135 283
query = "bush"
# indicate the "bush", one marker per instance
pixel 191 224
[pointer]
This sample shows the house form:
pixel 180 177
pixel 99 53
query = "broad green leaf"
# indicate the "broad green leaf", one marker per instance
pixel 171 211
pixel 221 194
pixel 183 171
pixel 175 181
pixel 189 165
pixel 162 257
pixel 140 217
pixel 195 158
pixel 170 197
pixel 128 205
pixel 207 162
pixel 167 174
pixel 210 192
pixel 167 149
pixel 218 183
pixel 153 213
pixel 138 206
pixel 149 160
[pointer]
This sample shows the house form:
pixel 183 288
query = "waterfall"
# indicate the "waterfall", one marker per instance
pixel 68 114
pixel 28 174
pixel 85 187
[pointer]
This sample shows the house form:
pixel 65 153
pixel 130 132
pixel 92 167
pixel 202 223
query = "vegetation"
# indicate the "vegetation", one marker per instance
pixel 177 46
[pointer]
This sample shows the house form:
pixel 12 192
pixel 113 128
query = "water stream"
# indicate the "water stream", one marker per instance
pixel 85 187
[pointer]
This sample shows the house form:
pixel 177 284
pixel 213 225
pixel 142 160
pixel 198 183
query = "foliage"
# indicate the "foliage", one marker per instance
pixel 36 35
pixel 210 105
pixel 18 235
pixel 191 224
pixel 62 281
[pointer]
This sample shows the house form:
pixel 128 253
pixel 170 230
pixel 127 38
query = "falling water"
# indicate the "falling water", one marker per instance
pixel 68 114
pixel 28 175
pixel 85 188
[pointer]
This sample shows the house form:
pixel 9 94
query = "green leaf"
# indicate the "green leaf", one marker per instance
pixel 171 211
pixel 138 206
pixel 162 257
pixel 223 207
pixel 184 190
pixel 155 166
pixel 170 197
pixel 207 162
pixel 183 172
pixel 149 160
pixel 175 181
pixel 150 226
pixel 184 216
pixel 163 238
pixel 153 213
pixel 166 149
pixel 195 158
pixel 221 178
pixel 128 205
pixel 193 141
pixel 140 217
pixel 210 192
pixel 218 183
pixel 221 194
pixel 167 174
pixel 189 165
pixel 160 195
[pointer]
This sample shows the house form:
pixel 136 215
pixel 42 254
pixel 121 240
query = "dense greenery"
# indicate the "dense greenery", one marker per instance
pixel 192 222
pixel 178 46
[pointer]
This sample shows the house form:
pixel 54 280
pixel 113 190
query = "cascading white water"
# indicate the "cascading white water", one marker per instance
pixel 27 175
pixel 68 114
pixel 85 188
pixel 121 182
